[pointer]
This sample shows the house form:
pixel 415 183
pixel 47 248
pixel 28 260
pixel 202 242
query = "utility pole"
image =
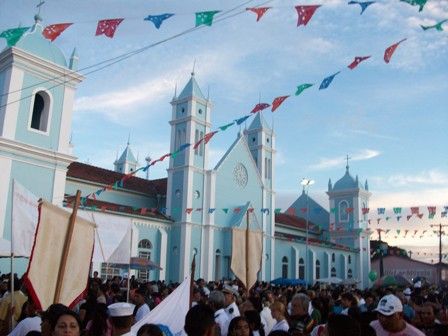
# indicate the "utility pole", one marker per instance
pixel 440 248
pixel 410 254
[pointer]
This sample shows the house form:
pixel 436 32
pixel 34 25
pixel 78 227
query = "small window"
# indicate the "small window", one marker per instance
pixel 200 111
pixel 284 267
pixel 333 257
pixel 41 111
pixel 267 140
pixel 254 139
pixel 183 110
pixel 349 259
pixel 301 269
pixel 317 269
pixel 333 272
pixel 145 244
pixel 350 273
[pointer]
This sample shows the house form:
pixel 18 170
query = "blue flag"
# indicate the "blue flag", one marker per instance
pixel 327 81
pixel 158 19
pixel 241 120
pixel 363 4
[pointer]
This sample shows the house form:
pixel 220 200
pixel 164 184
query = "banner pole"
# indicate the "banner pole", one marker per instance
pixel 247 253
pixel 129 268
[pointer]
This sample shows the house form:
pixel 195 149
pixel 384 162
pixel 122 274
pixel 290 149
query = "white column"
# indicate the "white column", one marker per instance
pixel 10 111
pixel 59 186
pixel 66 120
pixel 163 253
pixel 5 183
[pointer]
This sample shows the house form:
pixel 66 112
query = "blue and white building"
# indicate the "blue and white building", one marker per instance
pixel 192 210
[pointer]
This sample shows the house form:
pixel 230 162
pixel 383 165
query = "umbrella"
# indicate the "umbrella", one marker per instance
pixel 330 280
pixel 288 282
pixel 392 280
pixel 350 282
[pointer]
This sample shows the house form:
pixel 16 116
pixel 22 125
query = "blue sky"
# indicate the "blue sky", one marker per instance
pixel 390 118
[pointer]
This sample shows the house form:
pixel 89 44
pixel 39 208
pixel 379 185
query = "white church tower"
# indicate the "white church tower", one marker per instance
pixel 186 176
pixel 127 163
pixel 37 89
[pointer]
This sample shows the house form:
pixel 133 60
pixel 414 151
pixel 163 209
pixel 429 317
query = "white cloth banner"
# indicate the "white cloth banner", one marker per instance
pixel 170 312
pixel 25 215
pixel 113 239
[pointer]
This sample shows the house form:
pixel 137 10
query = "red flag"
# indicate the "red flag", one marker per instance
pixel 143 211
pixel 259 107
pixel 250 210
pixel 206 139
pixel 237 210
pixel 107 27
pixel 408 217
pixel 432 209
pixel 420 216
pixel 365 211
pixel 415 210
pixel 188 210
pixel 349 210
pixel 356 61
pixel 305 13
pixel 390 51
pixel 277 102
pixel 260 11
pixel 51 32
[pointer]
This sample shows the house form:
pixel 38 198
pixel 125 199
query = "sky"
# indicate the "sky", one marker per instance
pixel 389 118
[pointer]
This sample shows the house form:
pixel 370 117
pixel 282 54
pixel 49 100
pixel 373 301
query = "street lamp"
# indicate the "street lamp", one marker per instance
pixel 306 183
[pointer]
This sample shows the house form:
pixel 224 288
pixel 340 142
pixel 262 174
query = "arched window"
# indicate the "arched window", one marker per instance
pixel 144 251
pixel 284 267
pixel 40 114
pixel 343 214
pixel 144 244
pixel 364 206
pixel 349 273
pixel 349 259
pixel 333 272
pixel 301 269
pixel 317 269
pixel 333 257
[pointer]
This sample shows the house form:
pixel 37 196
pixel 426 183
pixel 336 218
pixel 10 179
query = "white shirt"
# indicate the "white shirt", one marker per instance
pixel 222 319
pixel 267 320
pixel 281 325
pixel 142 311
pixel 232 311
pixel 26 325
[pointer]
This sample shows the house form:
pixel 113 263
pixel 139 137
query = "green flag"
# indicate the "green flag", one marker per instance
pixel 333 210
pixel 205 18
pixel 13 35
pixel 226 210
pixel 223 128
pixel 420 3
pixel 278 210
pixel 303 87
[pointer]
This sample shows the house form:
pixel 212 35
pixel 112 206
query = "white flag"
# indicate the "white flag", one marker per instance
pixel 25 215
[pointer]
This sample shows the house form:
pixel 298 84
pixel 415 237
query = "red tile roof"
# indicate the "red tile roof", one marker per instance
pixel 103 176
pixel 295 222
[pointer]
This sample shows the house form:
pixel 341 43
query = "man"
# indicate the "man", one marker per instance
pixel 426 321
pixel 121 318
pixel 300 321
pixel 216 300
pixel 390 319
pixel 230 304
pixel 200 321
pixel 141 307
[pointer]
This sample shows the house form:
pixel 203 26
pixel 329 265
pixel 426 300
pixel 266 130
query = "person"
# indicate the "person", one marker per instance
pixel 67 324
pixel 239 326
pixel 121 318
pixel 50 316
pixel 141 307
pixel 216 301
pixel 390 319
pixel 29 321
pixel 200 321
pixel 341 324
pixel 99 325
pixel 149 329
pixel 266 317
pixel 254 319
pixel 231 307
pixel 426 321
pixel 278 313
pixel 300 322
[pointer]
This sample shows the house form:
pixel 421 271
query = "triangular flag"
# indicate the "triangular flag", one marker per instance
pixel 143 211
pixel 278 210
pixel 225 210
pixel 381 211
pixel 259 107
pixel 305 13
pixel 13 35
pixel 107 27
pixel 303 87
pixel 260 11
pixel 277 102
pixel 363 4
pixel 158 19
pixel 390 51
pixel 188 210
pixel 408 217
pixel 327 81
pixel 356 61
pixel 397 211
pixel 437 26
pixel 205 18
pixel 237 210
pixel 365 211
pixel 241 120
pixel 51 32
pixel 420 216
pixel 211 210
pixel 223 128
pixel 333 210
pixel 420 3
pixel 349 210
pixel 415 210
pixel 398 218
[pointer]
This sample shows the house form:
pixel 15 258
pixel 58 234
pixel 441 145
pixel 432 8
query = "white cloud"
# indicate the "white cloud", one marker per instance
pixel 374 135
pixel 427 197
pixel 433 177
pixel 326 163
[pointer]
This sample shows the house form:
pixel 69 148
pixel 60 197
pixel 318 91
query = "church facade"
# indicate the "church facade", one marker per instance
pixel 192 211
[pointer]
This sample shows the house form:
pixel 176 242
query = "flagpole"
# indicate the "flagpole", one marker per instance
pixel 68 239
pixel 193 269
pixel 12 264
pixel 247 253
pixel 129 269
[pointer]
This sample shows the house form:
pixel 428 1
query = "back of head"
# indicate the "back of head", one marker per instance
pixel 199 320
pixel 343 325
pixel 302 299
pixel 149 329
pixel 216 299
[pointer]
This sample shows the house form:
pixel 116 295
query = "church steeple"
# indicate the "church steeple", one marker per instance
pixel 127 162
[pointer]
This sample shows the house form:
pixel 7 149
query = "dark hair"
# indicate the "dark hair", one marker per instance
pixel 122 322
pixel 53 312
pixel 198 320
pixel 233 324
pixel 66 312
pixel 254 319
pixel 150 330
pixel 339 324
pixel 99 320
pixel 278 333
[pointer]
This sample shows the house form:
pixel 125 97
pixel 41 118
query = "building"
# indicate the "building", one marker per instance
pixel 192 211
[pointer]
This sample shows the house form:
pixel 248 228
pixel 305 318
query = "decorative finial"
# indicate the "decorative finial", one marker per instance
pixel 175 91
pixel 194 65
pixel 347 158
pixel 129 138
pixel 37 17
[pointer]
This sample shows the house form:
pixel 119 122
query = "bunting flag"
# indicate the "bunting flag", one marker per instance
pixel 260 11
pixel 241 120
pixel 398 218
pixel 327 81
pixel 277 210
pixel 387 218
pixel 333 210
pixel 365 211
pixel 349 210
pixel 188 210
pixel 381 211
pixel 387 231
pixel 443 214
pixel 51 32
pixel 158 19
pixel 13 35
pixel 390 51
pixel 265 210
pixel 237 210
pixel 431 215
pixel 277 102
pixel 226 210
pixel 303 87
pixel 397 211
pixel 107 27
pixel 420 216
pixel 420 3
pixel 250 210
pixel 223 128
pixel 198 209
pixel 206 139
pixel 211 210
pixel 368 221
pixel 291 211
pixel 260 107
pixel 378 221
pixel 356 61
pixel 432 209
pixel 305 13
pixel 363 4
pixel 143 211
pixel 408 217
pixel 415 210
pixel 437 26
pixel 205 18
pixel 181 148
pixel 398 231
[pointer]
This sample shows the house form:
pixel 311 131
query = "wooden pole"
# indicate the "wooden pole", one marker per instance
pixel 68 239
pixel 247 254
pixel 193 269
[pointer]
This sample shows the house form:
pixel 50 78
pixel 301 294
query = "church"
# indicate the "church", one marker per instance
pixel 192 211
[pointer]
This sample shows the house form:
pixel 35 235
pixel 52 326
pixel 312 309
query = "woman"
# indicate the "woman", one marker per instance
pixel 67 324
pixel 278 313
pixel 99 325
pixel 239 326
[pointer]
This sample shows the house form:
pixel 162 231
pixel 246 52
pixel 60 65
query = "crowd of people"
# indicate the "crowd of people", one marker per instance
pixel 224 308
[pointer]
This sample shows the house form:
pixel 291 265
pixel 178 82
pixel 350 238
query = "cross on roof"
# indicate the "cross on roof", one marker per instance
pixel 347 158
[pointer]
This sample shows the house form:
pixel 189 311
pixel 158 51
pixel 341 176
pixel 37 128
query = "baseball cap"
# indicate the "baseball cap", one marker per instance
pixel 120 309
pixel 389 305
pixel 230 290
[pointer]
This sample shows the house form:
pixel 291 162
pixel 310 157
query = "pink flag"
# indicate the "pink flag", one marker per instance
pixel 365 211
pixel 432 209
pixel 356 61
pixel 259 107
pixel 305 13
pixel 107 27
pixel 277 102
pixel 390 51
pixel 408 217
pixel 260 11
pixel 349 210
pixel 206 139
pixel 143 211
pixel 188 210
pixel 51 32
pixel 415 210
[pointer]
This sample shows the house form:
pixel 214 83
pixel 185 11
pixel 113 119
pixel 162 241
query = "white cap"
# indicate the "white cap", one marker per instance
pixel 230 290
pixel 389 305
pixel 121 309
pixel 418 284
pixel 407 291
